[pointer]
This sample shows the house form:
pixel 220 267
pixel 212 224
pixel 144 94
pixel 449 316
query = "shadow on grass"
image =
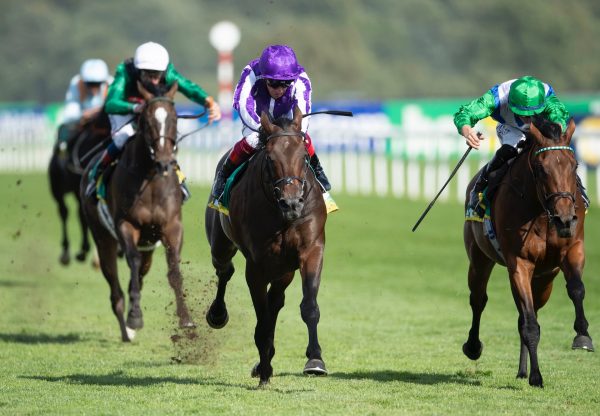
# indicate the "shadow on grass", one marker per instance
pixel 120 379
pixel 16 283
pixel 408 377
pixel 24 338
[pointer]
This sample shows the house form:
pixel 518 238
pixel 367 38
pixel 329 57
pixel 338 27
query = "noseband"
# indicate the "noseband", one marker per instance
pixel 286 180
pixel 548 198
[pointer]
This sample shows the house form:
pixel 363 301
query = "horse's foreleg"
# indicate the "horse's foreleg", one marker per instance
pixel 107 252
pixel 573 271
pixel 480 268
pixel 173 240
pixel 131 237
pixel 85 241
pixel 65 257
pixel 311 265
pixel 222 251
pixel 529 329
pixel 258 292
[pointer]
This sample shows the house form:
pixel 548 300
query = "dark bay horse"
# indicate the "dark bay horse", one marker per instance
pixel 277 220
pixel 64 174
pixel 144 200
pixel 538 214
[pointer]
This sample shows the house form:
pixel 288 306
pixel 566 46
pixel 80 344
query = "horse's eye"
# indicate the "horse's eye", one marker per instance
pixel 539 170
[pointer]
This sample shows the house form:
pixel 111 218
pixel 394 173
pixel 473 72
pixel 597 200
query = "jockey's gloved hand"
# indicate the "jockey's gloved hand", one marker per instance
pixel 138 108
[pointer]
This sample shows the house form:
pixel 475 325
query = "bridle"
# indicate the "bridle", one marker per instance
pixel 173 140
pixel 278 184
pixel 547 199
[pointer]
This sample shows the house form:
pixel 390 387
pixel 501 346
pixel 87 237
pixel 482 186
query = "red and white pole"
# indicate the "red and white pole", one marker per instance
pixel 224 37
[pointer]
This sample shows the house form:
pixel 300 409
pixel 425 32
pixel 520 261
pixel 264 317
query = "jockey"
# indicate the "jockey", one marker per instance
pixel 512 104
pixel 84 99
pixel 273 83
pixel 151 66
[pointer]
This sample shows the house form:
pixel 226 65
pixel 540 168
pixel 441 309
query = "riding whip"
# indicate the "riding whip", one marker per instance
pixel 460 162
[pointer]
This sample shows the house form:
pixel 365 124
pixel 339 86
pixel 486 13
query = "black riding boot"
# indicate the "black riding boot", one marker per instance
pixel 503 155
pixel 315 164
pixel 221 178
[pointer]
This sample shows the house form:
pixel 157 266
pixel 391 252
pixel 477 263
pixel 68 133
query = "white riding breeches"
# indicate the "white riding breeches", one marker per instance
pixel 509 134
pixel 251 137
pixel 121 126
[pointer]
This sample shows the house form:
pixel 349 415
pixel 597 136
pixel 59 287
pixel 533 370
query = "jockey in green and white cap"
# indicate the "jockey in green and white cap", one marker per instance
pixel 152 67
pixel 512 104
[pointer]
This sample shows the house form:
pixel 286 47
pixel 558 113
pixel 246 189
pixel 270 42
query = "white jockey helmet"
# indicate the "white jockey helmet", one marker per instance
pixel 94 70
pixel 151 56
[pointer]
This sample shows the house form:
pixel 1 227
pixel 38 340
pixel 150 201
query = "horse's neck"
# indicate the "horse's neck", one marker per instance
pixel 136 153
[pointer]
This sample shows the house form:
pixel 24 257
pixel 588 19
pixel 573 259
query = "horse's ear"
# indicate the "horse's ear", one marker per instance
pixel 297 118
pixel 570 130
pixel 146 95
pixel 266 123
pixel 171 93
pixel 536 133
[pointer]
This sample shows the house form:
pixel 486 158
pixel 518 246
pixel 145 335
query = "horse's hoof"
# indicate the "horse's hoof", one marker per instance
pixel 583 342
pixel 65 258
pixel 135 322
pixel 187 325
pixel 315 367
pixel 254 371
pixel 263 383
pixel 535 380
pixel 81 256
pixel 129 334
pixel 217 322
pixel 472 355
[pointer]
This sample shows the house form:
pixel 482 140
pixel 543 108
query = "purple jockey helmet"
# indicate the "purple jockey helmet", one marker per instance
pixel 279 62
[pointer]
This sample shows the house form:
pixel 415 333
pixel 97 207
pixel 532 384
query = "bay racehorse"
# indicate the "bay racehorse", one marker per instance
pixel 64 174
pixel 538 215
pixel 277 220
pixel 143 200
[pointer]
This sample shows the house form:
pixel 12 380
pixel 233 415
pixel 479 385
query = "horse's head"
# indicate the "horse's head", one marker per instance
pixel 554 169
pixel 287 161
pixel 158 127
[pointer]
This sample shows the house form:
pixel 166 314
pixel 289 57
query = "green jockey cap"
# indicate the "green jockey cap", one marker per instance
pixel 527 96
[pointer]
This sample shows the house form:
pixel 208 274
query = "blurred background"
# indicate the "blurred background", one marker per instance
pixel 403 67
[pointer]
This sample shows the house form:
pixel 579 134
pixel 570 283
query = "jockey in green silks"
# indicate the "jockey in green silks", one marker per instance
pixel 512 104
pixel 151 66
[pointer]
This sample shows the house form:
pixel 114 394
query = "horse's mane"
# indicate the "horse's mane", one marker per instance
pixel 157 90
pixel 548 128
pixel 281 121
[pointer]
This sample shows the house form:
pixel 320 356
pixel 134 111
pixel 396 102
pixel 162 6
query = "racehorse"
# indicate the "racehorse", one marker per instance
pixel 538 214
pixel 64 173
pixel 277 220
pixel 143 199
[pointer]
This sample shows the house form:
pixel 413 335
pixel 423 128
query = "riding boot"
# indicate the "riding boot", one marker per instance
pixel 105 160
pixel 503 155
pixel 315 164
pixel 221 178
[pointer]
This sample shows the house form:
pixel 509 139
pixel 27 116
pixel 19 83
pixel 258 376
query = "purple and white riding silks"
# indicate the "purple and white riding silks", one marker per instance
pixel 251 98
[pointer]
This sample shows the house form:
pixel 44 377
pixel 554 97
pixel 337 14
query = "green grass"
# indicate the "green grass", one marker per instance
pixel 394 314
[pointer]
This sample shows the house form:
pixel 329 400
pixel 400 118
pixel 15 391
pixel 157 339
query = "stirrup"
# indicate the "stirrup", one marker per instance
pixel 330 204
pixel 215 203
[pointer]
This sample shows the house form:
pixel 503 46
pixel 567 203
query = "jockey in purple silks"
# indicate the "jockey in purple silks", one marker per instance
pixel 274 83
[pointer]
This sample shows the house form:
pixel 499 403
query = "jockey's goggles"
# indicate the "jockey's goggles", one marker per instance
pixel 278 83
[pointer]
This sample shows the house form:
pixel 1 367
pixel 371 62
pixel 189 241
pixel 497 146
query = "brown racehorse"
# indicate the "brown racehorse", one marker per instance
pixel 64 174
pixel 277 220
pixel 144 200
pixel 538 214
